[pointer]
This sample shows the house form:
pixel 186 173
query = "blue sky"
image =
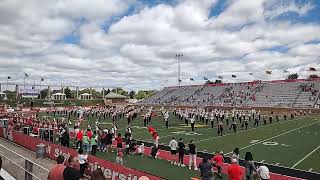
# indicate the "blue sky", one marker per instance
pixel 132 43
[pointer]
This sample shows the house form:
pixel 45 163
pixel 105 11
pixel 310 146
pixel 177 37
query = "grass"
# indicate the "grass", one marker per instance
pixel 284 143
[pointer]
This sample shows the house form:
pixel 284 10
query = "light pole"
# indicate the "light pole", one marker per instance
pixel 178 58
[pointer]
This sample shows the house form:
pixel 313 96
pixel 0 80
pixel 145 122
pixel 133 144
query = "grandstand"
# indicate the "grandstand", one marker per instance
pixel 282 93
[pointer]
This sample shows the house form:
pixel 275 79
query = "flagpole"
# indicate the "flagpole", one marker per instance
pixel 40 87
pixel 179 75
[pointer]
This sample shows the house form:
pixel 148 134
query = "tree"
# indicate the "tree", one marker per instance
pixel 293 76
pixel 143 94
pixel 10 94
pixel 131 94
pixel 68 93
pixel 312 76
pixel 44 93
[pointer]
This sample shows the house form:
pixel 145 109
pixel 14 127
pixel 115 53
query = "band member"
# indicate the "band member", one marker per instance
pixel 220 128
pixel 166 117
pixel 233 126
pixel 192 123
pixel 211 120
pixel 256 121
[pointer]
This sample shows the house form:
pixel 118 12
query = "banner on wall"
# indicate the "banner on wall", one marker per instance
pixel 111 170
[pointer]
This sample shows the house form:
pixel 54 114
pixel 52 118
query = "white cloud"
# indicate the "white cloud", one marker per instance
pixel 138 50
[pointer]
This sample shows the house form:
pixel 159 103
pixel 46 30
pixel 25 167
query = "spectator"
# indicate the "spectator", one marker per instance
pixel 192 155
pixel 82 158
pixel 79 137
pixel 97 175
pixel 263 172
pixel 65 138
pixel 119 158
pixel 217 161
pixel 249 165
pixel 173 147
pixel 119 143
pixel 206 172
pixel 141 149
pixel 86 143
pixel 56 172
pixel 1 178
pixel 181 153
pixel 235 154
pixel 234 170
pixel 94 143
pixel 154 151
pixel 70 172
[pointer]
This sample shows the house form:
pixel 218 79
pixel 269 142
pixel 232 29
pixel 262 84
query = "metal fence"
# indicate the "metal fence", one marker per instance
pixel 21 168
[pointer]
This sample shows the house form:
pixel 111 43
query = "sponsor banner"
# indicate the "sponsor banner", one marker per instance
pixel 111 170
pixel 25 109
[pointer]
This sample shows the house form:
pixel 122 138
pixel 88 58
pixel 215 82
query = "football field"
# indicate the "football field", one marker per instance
pixel 292 143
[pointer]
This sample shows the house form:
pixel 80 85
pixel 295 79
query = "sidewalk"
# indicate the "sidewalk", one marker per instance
pixel 12 151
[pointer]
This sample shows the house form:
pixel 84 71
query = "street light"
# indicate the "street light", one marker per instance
pixel 178 58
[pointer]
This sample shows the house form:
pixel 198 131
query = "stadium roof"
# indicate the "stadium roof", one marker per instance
pixel 113 95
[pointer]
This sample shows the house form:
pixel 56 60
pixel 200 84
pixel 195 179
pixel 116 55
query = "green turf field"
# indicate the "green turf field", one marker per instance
pixel 292 143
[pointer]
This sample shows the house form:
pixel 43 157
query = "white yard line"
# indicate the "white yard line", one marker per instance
pixel 216 137
pixel 305 157
pixel 276 136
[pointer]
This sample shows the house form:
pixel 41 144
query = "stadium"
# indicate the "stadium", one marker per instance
pixel 152 90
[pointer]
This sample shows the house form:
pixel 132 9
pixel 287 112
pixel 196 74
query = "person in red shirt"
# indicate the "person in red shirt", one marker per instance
pixel 234 170
pixel 79 137
pixel 217 161
pixel 119 143
pixel 56 172
pixel 89 133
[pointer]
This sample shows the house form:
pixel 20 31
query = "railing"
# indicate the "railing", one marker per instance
pixel 21 168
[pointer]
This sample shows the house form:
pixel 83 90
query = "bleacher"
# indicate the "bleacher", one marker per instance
pixel 249 94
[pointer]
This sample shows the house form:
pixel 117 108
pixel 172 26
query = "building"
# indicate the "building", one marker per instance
pixel 112 98
pixel 85 96
pixel 58 96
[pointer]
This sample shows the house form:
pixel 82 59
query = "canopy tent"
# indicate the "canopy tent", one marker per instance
pixel 58 96
pixel 115 98
pixel 85 96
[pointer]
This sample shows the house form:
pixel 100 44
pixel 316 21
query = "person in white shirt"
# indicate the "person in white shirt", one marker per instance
pixel 173 144
pixel 141 149
pixel 119 159
pixel 263 172
pixel 166 117
pixel 82 159
pixel 192 123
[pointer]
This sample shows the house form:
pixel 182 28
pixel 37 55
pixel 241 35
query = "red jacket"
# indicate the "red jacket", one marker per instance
pixel 218 159
pixel 235 172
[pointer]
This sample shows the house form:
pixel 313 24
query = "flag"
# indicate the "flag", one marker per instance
pixel 220 77
pixel 251 74
pixel 191 79
pixel 42 79
pixel 234 76
pixel 285 71
pixel 26 75
pixel 9 77
pixel 312 69
pixel 268 72
pixel 206 79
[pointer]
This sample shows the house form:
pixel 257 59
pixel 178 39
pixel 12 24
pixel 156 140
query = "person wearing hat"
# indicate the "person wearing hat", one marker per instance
pixel 234 170
pixel 119 159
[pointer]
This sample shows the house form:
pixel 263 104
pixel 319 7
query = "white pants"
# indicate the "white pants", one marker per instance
pixel 193 158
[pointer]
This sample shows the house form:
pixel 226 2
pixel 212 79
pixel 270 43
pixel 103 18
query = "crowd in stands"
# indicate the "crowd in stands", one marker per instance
pixel 252 94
